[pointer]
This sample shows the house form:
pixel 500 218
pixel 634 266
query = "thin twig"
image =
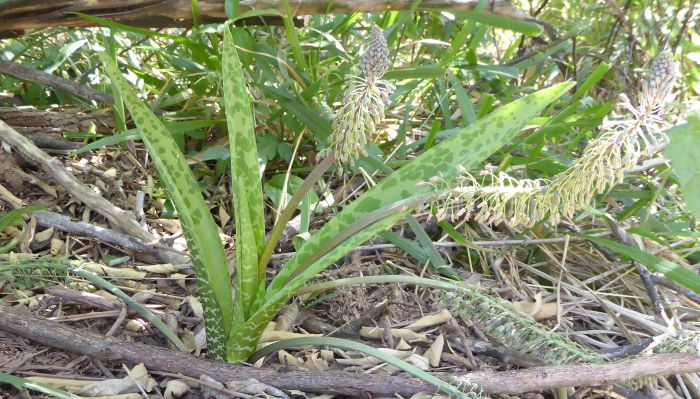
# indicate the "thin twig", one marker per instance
pixel 484 244
pixel 644 273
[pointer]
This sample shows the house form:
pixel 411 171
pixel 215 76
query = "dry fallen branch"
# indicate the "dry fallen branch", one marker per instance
pixel 47 79
pixel 46 127
pixel 510 382
pixel 128 243
pixel 54 168
pixel 20 15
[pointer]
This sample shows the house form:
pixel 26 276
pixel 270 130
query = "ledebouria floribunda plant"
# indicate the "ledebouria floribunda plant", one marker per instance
pixel 362 111
pixel 524 202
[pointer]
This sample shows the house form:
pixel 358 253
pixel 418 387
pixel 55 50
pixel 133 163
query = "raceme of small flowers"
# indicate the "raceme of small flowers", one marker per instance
pixel 362 111
pixel 524 202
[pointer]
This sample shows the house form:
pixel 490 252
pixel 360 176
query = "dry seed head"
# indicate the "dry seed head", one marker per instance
pixel 375 60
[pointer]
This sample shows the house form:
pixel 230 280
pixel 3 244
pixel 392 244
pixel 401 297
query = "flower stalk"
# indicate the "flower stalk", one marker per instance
pixel 524 202
pixel 362 112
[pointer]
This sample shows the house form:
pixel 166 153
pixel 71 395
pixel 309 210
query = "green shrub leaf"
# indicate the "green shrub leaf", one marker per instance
pixel 684 153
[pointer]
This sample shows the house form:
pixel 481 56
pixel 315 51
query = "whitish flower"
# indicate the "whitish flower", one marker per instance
pixel 362 111
pixel 602 166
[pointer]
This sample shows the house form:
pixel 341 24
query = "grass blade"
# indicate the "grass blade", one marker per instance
pixel 672 271
pixel 19 382
pixel 366 349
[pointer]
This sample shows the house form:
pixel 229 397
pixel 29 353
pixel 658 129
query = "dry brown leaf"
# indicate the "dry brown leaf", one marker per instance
pixel 403 345
pixel 190 342
pixel 56 246
pixel 180 279
pixel 415 359
pixel 364 362
pixel 288 359
pixel 175 389
pixel 135 325
pixel 367 361
pixel 537 309
pixel 223 217
pixel 270 336
pixel 137 380
pixel 102 270
pixel 434 353
pixel 200 336
pixel 67 384
pixel 315 363
pixel 195 306
pixel 288 316
pixel 251 386
pixel 213 388
pixel 44 235
pixel 41 184
pixel 327 355
pixel 403 333
pixel 430 320
pixel 419 361
pixel 162 268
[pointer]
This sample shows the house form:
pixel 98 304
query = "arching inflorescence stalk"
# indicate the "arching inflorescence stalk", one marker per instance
pixel 363 105
pixel 516 331
pixel 524 202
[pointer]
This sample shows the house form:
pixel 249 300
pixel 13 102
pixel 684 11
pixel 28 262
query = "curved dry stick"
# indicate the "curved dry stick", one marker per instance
pixel 127 242
pixel 24 73
pixel 20 15
pixel 118 217
pixel 506 382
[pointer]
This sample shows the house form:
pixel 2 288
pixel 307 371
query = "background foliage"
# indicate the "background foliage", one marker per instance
pixel 450 70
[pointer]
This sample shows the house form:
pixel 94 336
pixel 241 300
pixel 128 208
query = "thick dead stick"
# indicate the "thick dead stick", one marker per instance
pixel 118 217
pixel 513 382
pixel 65 223
pixel 29 14
pixel 47 79
pixel 54 168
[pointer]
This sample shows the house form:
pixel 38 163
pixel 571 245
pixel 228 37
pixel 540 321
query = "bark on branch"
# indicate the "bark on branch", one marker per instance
pixel 18 15
pixel 337 382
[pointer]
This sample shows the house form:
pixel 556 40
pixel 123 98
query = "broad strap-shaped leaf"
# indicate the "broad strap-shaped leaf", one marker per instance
pixel 210 264
pixel 467 148
pixel 244 340
pixel 247 189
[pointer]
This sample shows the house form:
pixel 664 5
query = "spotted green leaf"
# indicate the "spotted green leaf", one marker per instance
pixel 469 147
pixel 684 153
pixel 210 264
pixel 247 188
